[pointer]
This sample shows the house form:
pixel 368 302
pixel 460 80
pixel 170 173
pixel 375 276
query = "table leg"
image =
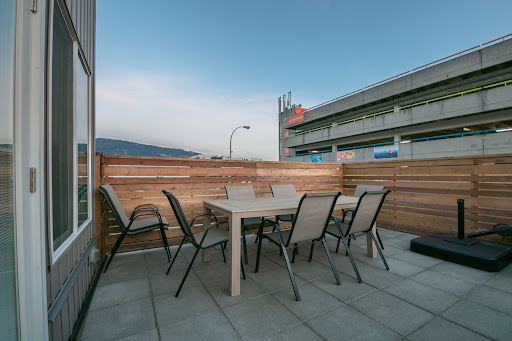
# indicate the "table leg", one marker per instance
pixel 207 219
pixel 234 259
pixel 371 249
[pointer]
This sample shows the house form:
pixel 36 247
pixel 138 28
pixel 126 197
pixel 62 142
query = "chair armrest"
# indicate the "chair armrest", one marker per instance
pixel 144 212
pixel 202 215
pixel 143 208
pixel 345 212
pixel 338 224
pixel 208 229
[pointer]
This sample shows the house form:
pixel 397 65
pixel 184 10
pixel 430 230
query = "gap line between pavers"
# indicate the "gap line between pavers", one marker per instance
pixel 151 295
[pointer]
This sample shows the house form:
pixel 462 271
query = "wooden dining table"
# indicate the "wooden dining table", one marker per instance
pixel 235 210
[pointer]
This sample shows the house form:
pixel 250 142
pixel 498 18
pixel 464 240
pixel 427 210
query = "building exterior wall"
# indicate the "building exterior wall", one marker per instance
pixel 70 276
pixel 472 98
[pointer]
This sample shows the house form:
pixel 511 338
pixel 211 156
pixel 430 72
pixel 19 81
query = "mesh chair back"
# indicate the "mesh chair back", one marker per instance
pixel 366 211
pixel 180 216
pixel 312 217
pixel 360 189
pixel 110 195
pixel 283 191
pixel 240 192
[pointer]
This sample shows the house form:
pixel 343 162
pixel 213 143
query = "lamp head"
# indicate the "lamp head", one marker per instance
pixel 247 127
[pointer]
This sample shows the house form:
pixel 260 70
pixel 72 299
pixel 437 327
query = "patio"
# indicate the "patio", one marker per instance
pixel 420 298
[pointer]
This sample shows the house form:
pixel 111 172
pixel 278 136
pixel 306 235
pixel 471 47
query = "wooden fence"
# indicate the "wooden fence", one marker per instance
pixel 423 200
pixel 425 192
pixel 140 180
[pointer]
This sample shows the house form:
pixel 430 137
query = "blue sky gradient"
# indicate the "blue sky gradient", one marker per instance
pixel 186 73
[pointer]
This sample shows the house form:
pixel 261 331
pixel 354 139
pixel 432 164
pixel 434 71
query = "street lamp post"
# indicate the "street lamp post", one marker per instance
pixel 231 138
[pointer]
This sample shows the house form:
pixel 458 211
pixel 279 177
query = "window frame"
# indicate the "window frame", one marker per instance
pixel 78 61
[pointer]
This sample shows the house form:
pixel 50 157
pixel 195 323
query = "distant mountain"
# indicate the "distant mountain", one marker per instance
pixel 119 147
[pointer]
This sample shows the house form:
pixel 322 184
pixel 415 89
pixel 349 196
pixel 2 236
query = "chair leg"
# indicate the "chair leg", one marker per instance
pixel 378 237
pixel 242 267
pixel 294 252
pixel 346 252
pixel 311 252
pixel 260 231
pixel 246 259
pixel 166 244
pixel 338 245
pixel 186 273
pixel 114 250
pixel 324 242
pixel 378 249
pixel 176 256
pixel 290 273
pixel 351 259
pixel 223 254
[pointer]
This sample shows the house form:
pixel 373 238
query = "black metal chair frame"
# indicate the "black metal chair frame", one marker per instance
pixel 144 210
pixel 188 235
pixel 284 245
pixel 347 236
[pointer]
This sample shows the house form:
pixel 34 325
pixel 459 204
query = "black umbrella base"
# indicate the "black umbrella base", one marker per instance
pixel 477 254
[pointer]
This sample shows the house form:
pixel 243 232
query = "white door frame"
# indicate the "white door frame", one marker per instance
pixel 29 103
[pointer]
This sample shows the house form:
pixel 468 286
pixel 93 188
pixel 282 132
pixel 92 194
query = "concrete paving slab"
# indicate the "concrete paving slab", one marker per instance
pixel 297 333
pixel 488 322
pixel 394 313
pixel 261 317
pixel 350 289
pixel 191 302
pixel 374 276
pixel 417 259
pixel 310 270
pixel 441 330
pixel 349 324
pixel 341 261
pixel 399 243
pixel 446 283
pixel 500 282
pixel 463 272
pixel 492 298
pixel 210 326
pixel 117 293
pixel 157 263
pixel 119 321
pixel 423 296
pixel 162 284
pixel 314 301
pixel 397 266
pixel 150 335
pixel 274 280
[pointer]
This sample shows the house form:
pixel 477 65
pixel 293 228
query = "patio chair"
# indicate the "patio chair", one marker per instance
pixel 135 224
pixel 308 227
pixel 347 213
pixel 283 191
pixel 244 192
pixel 202 240
pixel 363 219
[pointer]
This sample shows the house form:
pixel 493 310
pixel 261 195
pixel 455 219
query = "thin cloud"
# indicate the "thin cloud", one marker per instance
pixel 184 113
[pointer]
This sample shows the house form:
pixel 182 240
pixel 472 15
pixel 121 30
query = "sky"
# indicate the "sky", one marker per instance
pixel 184 74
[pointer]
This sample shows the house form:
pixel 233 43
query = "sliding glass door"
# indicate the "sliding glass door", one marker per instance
pixel 8 292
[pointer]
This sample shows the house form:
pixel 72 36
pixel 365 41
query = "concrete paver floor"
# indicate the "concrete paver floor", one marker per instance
pixel 420 298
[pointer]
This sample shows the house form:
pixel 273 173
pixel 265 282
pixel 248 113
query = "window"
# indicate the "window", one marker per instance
pixel 69 135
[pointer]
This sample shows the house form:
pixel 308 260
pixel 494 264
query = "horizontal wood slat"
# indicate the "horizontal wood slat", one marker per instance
pixel 140 180
pixel 423 199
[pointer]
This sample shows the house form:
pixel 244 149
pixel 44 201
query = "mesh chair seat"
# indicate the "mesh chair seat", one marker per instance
pixel 147 224
pixel 213 237
pixel 333 230
pixel 286 217
pixel 252 223
pixel 275 238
